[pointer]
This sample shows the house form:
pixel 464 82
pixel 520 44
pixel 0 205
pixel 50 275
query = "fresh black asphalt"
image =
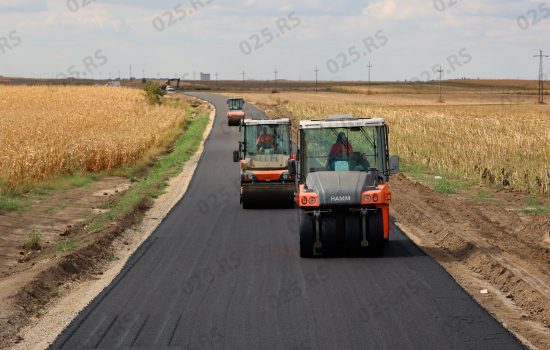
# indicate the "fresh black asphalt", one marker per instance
pixel 215 276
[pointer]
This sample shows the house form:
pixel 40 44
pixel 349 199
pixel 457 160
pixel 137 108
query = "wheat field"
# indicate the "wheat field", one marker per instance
pixel 505 144
pixel 47 131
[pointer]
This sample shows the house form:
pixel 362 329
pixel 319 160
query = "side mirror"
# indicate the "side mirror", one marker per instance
pixel 394 165
pixel 236 156
pixel 292 167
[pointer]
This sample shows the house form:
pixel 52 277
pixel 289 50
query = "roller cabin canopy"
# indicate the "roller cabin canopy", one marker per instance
pixel 341 121
pixel 251 122
pixel 235 104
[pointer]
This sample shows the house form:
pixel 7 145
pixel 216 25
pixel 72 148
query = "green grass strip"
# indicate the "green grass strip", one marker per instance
pixel 156 180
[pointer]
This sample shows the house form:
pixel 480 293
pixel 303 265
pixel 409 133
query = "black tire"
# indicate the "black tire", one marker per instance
pixel 330 236
pixel 248 202
pixel 375 233
pixel 307 235
pixel 232 122
pixel 354 235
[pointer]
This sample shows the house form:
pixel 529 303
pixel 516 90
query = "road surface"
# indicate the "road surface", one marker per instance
pixel 215 276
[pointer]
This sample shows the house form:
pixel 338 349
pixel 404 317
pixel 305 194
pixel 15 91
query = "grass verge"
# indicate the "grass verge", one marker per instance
pixel 34 241
pixel 9 203
pixel 438 181
pixel 21 199
pixel 445 183
pixel 153 184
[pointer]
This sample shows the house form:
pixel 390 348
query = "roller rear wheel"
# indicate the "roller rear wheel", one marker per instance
pixel 354 235
pixel 331 233
pixel 375 233
pixel 307 235
pixel 249 202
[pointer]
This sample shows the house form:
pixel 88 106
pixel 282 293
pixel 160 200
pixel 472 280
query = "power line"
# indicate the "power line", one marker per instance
pixel 243 73
pixel 440 70
pixel 316 70
pixel 369 66
pixel 541 76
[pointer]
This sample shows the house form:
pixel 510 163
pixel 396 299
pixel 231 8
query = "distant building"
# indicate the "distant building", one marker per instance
pixel 113 83
pixel 205 76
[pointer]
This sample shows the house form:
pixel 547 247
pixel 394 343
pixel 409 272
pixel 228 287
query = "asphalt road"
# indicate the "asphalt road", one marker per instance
pixel 215 276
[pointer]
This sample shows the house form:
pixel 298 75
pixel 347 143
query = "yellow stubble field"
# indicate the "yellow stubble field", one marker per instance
pixel 47 131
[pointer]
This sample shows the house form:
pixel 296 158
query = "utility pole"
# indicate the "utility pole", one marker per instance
pixel 276 71
pixel 541 76
pixel 216 80
pixel 440 70
pixel 369 66
pixel 243 73
pixel 316 80
pixel 130 77
pixel 143 71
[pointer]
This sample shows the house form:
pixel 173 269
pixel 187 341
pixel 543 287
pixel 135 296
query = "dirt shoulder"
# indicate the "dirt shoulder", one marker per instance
pixel 497 253
pixel 42 296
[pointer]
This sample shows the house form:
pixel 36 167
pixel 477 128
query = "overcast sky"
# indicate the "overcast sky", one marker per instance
pixel 404 39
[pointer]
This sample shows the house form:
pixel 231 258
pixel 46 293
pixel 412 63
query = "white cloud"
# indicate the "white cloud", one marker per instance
pixel 398 10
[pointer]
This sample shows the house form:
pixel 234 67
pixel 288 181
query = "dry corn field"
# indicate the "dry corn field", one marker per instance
pixel 505 145
pixel 47 131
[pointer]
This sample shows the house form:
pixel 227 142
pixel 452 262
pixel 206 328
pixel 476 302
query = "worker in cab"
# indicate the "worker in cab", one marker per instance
pixel 265 140
pixel 340 150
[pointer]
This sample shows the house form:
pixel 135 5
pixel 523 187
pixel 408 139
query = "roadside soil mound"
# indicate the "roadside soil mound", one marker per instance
pixel 498 254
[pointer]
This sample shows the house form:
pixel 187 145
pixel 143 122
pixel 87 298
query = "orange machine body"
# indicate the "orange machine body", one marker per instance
pixel 379 198
pixel 235 117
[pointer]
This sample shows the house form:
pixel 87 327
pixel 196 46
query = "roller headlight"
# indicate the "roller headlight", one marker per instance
pixel 367 198
pixel 286 177
pixel 248 177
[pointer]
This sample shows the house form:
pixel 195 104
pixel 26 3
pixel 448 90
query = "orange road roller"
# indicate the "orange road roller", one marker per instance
pixel 264 152
pixel 343 169
pixel 236 113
